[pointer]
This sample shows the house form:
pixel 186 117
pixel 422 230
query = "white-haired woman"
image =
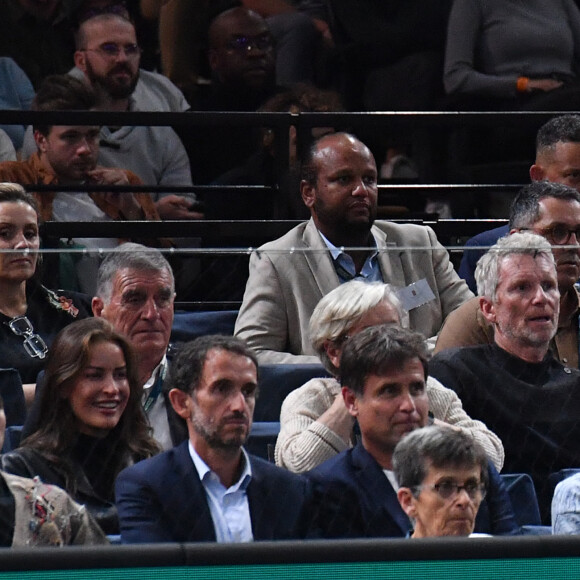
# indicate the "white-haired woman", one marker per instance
pixel 314 422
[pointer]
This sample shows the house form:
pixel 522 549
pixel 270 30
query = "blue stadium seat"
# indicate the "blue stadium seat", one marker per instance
pixel 189 325
pixel 12 438
pixel 522 492
pixel 13 397
pixel 558 476
pixel 276 381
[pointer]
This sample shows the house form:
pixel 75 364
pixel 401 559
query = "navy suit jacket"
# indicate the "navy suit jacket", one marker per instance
pixel 356 500
pixel 471 256
pixel 163 500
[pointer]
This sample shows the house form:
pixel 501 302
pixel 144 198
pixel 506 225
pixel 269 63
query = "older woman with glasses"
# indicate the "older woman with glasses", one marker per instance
pixel 442 475
pixel 314 422
pixel 30 314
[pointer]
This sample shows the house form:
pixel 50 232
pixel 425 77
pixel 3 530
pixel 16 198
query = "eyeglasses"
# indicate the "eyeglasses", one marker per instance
pixel 559 234
pixel 242 45
pixel 450 490
pixel 111 50
pixel 33 343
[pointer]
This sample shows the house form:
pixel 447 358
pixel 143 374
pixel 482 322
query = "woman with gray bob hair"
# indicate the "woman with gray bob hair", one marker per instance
pixel 443 477
pixel 343 308
pixel 314 422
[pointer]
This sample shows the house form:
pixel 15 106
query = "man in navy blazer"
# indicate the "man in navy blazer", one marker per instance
pixel 208 488
pixel 383 373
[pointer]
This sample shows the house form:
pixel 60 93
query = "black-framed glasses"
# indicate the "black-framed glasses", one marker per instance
pixel 559 234
pixel 33 343
pixel 111 50
pixel 450 489
pixel 245 44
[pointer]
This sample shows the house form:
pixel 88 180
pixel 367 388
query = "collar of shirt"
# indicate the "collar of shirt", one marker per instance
pixel 229 508
pixel 344 264
pixel 204 471
pixel 160 370
pixel 390 474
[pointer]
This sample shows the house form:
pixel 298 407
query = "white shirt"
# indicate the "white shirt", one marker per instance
pixel 72 207
pixel 157 412
pixel 229 508
pixel 392 479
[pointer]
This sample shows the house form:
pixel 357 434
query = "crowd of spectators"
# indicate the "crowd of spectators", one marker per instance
pixel 426 392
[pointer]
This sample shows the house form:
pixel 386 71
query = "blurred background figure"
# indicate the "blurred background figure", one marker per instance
pixel 16 92
pixel 503 55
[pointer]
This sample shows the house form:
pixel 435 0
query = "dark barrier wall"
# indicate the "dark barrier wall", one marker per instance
pixel 529 558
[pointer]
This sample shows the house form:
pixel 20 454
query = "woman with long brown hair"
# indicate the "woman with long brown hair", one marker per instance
pixel 91 419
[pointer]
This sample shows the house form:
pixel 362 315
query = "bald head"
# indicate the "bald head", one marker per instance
pixel 339 186
pixel 102 25
pixel 241 49
pixel 327 146
pixel 238 20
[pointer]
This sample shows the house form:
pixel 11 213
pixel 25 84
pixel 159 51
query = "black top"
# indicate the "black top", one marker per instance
pixel 7 514
pixel 49 312
pixel 533 408
pixel 90 481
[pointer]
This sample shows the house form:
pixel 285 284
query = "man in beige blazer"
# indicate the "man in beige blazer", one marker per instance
pixel 340 242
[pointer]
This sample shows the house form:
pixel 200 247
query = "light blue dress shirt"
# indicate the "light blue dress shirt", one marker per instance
pixel 345 268
pixel 229 508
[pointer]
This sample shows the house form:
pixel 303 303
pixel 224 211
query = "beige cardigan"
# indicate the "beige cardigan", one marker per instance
pixel 304 442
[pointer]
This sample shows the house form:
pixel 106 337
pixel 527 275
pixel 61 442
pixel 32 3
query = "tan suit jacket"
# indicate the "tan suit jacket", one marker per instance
pixel 291 274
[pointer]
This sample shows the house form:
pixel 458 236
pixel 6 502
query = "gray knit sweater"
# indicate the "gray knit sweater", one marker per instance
pixel 490 43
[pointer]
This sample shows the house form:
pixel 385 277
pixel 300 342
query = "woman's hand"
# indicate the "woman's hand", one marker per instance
pixel 543 85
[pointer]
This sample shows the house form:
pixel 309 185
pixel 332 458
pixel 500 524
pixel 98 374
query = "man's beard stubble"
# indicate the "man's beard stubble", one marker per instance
pixel 211 436
pixel 108 84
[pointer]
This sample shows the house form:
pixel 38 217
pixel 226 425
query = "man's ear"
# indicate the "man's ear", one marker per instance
pixel 308 193
pixel 537 172
pixel 350 400
pixel 213 59
pixel 40 141
pixel 407 501
pixel 487 309
pixel 181 403
pixel 333 352
pixel 97 305
pixel 80 59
